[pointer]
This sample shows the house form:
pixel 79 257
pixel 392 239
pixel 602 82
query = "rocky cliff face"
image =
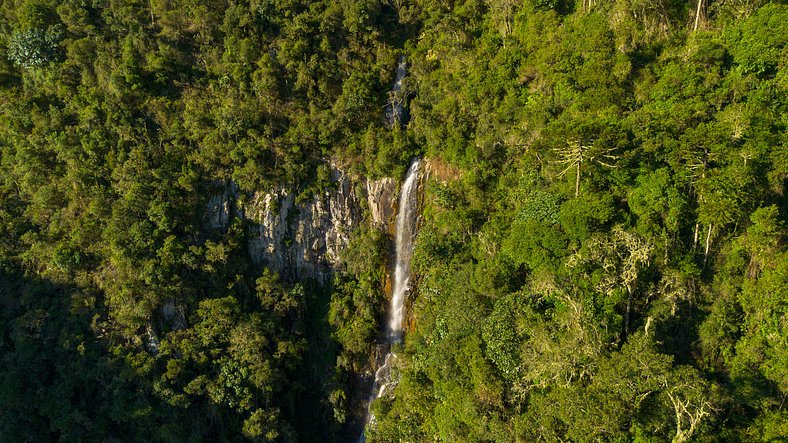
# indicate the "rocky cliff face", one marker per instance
pixel 304 240
pixel 221 206
pixel 300 241
pixel 297 241
pixel 381 200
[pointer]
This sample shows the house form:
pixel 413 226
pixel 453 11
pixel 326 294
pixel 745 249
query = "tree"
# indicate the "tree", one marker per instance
pixel 691 402
pixel 502 12
pixel 660 207
pixel 34 47
pixel 575 154
pixel 700 15
pixel 621 256
pixel 721 202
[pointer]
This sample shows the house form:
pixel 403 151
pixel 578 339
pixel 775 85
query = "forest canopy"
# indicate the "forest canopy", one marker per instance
pixel 601 254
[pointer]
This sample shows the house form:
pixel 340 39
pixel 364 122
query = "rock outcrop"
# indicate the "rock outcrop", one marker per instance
pixel 221 206
pixel 381 199
pixel 302 240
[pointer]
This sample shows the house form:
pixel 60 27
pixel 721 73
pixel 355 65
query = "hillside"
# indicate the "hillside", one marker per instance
pixel 198 204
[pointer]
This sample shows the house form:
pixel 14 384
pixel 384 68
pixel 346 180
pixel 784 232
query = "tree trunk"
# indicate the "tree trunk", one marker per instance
pixel 629 307
pixel 708 241
pixel 697 15
pixel 153 23
pixel 577 181
pixel 695 236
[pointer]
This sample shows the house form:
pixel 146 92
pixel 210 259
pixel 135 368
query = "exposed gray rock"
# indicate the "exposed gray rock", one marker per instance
pixel 173 316
pixel 269 242
pixel 221 206
pixel 381 198
pixel 304 240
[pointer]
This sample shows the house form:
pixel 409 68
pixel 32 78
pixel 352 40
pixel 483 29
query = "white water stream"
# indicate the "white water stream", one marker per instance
pixel 395 111
pixel 403 251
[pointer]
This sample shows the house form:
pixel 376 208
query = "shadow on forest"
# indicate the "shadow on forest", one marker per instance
pixel 62 378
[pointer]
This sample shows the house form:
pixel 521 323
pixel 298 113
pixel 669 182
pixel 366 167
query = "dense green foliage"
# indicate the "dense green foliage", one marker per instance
pixel 602 251
pixel 117 119
pixel 607 260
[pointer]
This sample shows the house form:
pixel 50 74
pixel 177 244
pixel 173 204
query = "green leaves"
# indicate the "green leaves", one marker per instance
pixel 535 315
pixel 540 206
pixel 758 43
pixel 34 47
pixel 503 335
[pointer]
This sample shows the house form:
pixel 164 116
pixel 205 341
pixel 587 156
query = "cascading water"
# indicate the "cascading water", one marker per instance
pixel 403 251
pixel 396 114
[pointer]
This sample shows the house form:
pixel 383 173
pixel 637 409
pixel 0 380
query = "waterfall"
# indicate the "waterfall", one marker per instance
pixel 396 114
pixel 403 251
